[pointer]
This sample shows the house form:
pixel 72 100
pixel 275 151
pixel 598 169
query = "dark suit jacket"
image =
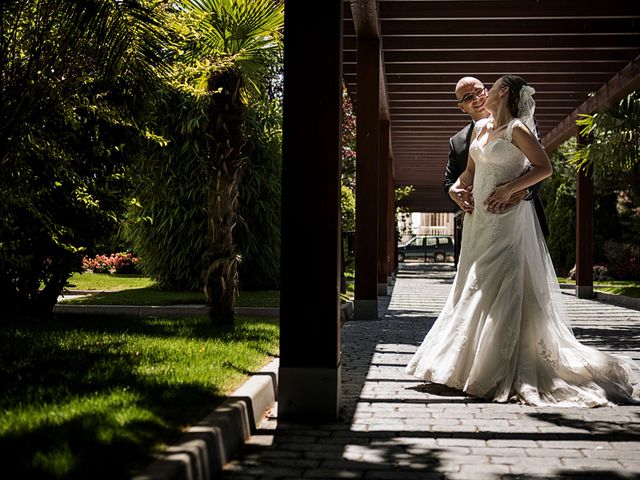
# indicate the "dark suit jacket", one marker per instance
pixel 458 155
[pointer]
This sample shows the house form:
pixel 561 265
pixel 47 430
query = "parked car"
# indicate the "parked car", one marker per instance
pixel 427 247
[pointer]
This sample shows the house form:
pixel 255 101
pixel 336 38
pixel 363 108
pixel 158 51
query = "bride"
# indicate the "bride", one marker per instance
pixel 503 334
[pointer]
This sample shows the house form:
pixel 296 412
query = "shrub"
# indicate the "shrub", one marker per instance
pixel 624 260
pixel 600 273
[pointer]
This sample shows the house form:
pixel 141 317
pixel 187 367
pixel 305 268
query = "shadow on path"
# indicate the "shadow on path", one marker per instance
pixel 396 427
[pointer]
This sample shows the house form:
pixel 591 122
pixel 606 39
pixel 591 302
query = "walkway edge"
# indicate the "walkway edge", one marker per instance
pixel 619 300
pixel 203 451
pixel 156 310
pixel 346 310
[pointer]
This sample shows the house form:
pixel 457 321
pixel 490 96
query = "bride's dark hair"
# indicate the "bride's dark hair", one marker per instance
pixel 515 84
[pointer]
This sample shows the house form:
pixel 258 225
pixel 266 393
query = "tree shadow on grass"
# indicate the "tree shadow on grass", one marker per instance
pixel 82 408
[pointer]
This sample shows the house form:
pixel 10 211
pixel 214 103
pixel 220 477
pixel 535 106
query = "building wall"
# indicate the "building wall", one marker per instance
pixel 436 224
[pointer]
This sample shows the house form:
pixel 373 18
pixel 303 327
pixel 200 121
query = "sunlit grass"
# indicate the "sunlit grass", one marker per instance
pixel 105 281
pixel 628 288
pixel 135 290
pixel 629 291
pixel 94 397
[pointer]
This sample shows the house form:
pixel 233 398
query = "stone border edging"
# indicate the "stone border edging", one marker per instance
pixel 619 300
pixel 155 310
pixel 203 451
pixel 346 310
pixel 610 298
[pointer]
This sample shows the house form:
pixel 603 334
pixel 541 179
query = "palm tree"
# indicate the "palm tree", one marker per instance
pixel 614 145
pixel 237 40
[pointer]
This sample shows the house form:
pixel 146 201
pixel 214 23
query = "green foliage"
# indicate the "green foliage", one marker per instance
pixel 614 138
pixel 348 141
pixel 167 220
pixel 612 154
pixel 240 34
pixel 68 97
pixel 559 199
pixel 258 232
pixel 348 209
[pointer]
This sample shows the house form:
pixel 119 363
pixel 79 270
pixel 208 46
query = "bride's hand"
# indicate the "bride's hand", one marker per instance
pixel 499 198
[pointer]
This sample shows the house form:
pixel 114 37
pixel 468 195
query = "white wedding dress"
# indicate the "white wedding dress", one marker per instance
pixel 503 334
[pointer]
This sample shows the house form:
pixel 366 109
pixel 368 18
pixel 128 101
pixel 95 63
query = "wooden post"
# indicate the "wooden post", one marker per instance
pixel 391 222
pixel 383 209
pixel 309 380
pixel 367 166
pixel 584 230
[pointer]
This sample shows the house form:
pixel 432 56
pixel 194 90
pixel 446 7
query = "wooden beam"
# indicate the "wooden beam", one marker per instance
pixel 366 25
pixel 622 83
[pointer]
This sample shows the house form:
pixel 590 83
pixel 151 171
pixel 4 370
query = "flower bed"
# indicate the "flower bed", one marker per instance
pixel 121 262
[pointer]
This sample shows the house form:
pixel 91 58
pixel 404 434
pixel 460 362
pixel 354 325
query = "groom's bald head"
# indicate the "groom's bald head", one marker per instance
pixel 471 95
pixel 466 83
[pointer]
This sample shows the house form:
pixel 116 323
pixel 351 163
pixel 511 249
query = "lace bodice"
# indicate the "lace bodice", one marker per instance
pixel 499 161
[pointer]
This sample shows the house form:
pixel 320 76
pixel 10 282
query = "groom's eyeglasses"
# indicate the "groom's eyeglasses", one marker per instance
pixel 470 97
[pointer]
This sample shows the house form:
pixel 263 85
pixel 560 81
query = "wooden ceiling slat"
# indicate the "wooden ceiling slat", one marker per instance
pixel 497 68
pixel 490 56
pixel 506 26
pixel 567 87
pixel 533 78
pixel 507 9
pixel 502 42
pixel 567 50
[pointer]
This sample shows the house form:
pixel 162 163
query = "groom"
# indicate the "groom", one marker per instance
pixel 471 95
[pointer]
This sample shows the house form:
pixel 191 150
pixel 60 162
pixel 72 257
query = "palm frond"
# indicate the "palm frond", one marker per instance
pixel 245 33
pixel 614 138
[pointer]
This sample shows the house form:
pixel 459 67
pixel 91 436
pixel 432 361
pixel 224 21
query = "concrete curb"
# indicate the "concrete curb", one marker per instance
pixel 202 452
pixel 610 298
pixel 157 310
pixel 619 300
pixel 346 310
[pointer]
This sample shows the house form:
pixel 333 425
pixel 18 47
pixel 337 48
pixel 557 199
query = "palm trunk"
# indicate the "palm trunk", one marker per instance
pixel 224 171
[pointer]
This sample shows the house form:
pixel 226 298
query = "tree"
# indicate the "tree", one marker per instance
pixel 613 153
pixel 70 77
pixel 234 41
pixel 614 134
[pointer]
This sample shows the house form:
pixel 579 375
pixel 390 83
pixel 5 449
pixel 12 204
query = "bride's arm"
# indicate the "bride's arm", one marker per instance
pixel 529 145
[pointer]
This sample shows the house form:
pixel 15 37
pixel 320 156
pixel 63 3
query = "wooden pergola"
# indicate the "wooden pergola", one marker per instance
pixel 400 60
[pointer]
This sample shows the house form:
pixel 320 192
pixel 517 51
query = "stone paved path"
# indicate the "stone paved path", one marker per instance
pixel 397 427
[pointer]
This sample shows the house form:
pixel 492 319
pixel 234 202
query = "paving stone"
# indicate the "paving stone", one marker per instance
pixel 553 452
pixel 332 473
pixel 398 427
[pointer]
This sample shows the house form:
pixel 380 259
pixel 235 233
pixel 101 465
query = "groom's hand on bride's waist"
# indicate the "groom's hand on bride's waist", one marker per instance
pixel 463 198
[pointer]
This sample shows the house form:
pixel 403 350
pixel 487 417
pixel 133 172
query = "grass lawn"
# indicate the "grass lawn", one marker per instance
pixel 94 397
pixel 628 291
pixel 628 288
pixel 105 281
pixel 135 290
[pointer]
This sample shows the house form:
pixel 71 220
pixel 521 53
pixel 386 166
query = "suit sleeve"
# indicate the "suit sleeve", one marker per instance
pixel 452 172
